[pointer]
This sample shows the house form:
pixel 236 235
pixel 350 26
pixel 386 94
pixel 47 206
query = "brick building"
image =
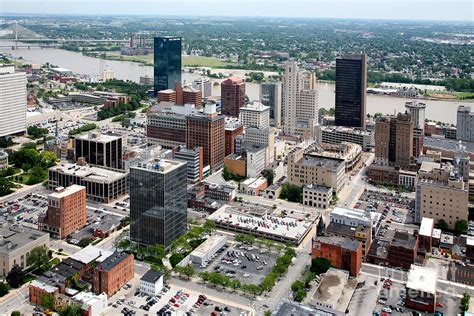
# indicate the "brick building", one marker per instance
pixel 113 273
pixel 233 128
pixel 66 211
pixel 232 96
pixel 343 253
pixel 207 130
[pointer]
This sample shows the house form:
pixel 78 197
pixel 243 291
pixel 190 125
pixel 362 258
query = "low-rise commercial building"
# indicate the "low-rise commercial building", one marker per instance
pixel 339 134
pixel 113 273
pixel 309 169
pixel 343 253
pixel 334 292
pixel 398 249
pixel 16 243
pixel 100 149
pixel 421 289
pixel 253 186
pixel 426 233
pixel 151 283
pixel 441 193
pixel 91 304
pixel 259 222
pixel 317 195
pixel 102 185
pixel 207 249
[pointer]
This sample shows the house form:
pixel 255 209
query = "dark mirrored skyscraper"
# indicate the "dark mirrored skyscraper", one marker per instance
pixel 158 202
pixel 167 62
pixel 351 86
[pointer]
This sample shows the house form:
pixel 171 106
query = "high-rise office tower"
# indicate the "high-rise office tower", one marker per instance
pixel 299 105
pixel 66 211
pixel 100 149
pixel 12 101
pixel 232 96
pixel 270 95
pixel 394 140
pixel 351 86
pixel 207 130
pixel 158 207
pixel 255 114
pixel 167 62
pixel 417 111
pixel 465 123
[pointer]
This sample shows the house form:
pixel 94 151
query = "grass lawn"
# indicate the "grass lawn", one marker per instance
pixel 204 62
pixel 198 61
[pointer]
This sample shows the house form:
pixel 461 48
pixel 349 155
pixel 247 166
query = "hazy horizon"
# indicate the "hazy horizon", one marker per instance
pixel 429 10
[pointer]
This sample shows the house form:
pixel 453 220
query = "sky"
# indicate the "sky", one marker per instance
pixel 441 10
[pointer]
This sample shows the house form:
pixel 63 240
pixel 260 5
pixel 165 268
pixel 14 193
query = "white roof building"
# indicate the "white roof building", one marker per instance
pixel 422 279
pixel 426 228
pixel 91 253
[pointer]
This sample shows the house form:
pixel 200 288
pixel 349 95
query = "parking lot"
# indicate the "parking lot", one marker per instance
pixel 249 264
pixel 170 301
pixel 25 210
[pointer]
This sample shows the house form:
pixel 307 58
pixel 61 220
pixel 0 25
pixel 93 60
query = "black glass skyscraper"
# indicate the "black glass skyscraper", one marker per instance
pixel 167 62
pixel 158 202
pixel 351 86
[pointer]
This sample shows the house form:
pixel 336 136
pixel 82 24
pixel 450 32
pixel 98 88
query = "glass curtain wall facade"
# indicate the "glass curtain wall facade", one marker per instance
pixel 158 205
pixel 167 62
pixel 351 86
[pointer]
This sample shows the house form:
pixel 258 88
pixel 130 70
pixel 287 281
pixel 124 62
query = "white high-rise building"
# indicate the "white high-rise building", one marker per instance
pixel 465 123
pixel 255 114
pixel 417 111
pixel 299 105
pixel 12 101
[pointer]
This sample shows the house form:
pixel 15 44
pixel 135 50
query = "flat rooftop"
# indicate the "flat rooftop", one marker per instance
pixel 62 192
pixel 330 163
pixel 160 166
pixel 422 279
pixel 426 227
pixel 207 245
pixel 98 137
pixel 89 172
pixel 347 130
pixel 90 253
pixel 446 144
pixel 241 217
pixel 113 260
pixel 335 289
pixel 15 238
pixel 345 243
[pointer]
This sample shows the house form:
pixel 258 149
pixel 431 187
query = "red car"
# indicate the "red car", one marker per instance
pixel 440 304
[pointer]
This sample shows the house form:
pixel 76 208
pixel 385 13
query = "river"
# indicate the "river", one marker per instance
pixel 442 110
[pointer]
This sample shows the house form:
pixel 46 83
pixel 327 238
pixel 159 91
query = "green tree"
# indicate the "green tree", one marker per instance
pixel 465 302
pixel 320 265
pixel 37 132
pixel 15 313
pixel 209 227
pixel 461 226
pixel 71 310
pixel 48 158
pixel 189 270
pixel 267 313
pixel 4 288
pixel 442 224
pixel 47 301
pixel 15 276
pixel 269 175
pixel 291 192
pixel 84 242
pixel 5 186
pixel 38 258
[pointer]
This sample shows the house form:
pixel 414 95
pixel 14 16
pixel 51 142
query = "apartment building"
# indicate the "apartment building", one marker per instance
pixel 12 101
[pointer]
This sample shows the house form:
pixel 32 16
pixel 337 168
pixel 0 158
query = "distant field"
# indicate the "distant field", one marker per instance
pixel 204 61
pixel 187 60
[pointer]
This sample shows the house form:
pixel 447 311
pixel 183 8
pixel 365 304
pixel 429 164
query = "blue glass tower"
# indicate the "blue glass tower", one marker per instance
pixel 167 62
